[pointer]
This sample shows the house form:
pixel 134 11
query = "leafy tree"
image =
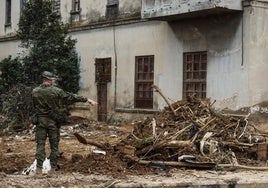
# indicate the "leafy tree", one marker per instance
pixel 50 48
pixel 11 73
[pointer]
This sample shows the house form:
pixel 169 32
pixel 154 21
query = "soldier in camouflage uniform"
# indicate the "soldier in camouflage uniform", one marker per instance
pixel 49 102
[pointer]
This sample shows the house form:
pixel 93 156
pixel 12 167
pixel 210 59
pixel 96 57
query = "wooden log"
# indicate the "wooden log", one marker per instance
pixel 204 126
pixel 160 92
pixel 82 140
pixel 237 166
pixel 237 144
pixel 179 164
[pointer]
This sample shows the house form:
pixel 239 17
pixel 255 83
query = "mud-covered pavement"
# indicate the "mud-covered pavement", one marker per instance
pixel 128 155
pixel 80 167
pixel 180 178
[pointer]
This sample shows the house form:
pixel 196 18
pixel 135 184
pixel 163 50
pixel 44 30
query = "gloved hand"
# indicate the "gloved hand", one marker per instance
pixel 91 102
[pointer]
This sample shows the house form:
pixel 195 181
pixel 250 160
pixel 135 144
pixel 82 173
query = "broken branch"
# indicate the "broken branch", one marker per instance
pixel 160 92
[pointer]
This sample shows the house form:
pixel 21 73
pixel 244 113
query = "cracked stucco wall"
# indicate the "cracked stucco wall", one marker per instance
pixel 94 10
pixel 156 8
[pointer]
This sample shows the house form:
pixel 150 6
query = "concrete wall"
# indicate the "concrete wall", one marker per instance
pixel 256 48
pixel 221 37
pixel 126 42
pixel 236 45
pixel 94 10
pixel 15 14
pixel 91 11
pixel 9 48
pixel 158 8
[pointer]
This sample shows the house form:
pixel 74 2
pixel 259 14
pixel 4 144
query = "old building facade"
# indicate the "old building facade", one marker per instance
pixel 210 48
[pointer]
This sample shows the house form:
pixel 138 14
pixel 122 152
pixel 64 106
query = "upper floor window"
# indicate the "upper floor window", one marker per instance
pixel 75 12
pixel 76 6
pixel 56 6
pixel 112 8
pixel 8 12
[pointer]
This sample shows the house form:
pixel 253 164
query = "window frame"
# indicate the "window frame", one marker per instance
pixel 76 6
pixel 8 13
pixel 195 74
pixel 112 8
pixel 144 79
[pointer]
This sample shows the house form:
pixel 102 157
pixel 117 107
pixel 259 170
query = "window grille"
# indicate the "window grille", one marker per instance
pixel 112 8
pixel 76 6
pixel 194 74
pixel 144 78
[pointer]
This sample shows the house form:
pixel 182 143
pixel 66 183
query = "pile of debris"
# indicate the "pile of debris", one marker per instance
pixel 189 133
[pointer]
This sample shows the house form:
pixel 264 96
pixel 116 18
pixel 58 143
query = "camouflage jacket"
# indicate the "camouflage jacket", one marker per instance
pixel 49 97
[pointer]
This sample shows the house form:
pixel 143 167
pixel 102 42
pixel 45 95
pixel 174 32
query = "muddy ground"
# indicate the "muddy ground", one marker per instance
pixel 191 127
pixel 81 167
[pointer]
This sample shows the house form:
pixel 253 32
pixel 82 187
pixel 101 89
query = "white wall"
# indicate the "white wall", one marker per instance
pixel 221 37
pixel 256 48
pixel 9 48
pixel 128 41
pixel 94 10
pixel 15 14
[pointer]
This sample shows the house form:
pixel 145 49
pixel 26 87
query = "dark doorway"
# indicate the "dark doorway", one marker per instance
pixel 103 76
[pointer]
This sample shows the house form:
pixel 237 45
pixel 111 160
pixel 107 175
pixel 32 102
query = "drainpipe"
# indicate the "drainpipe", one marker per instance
pixel 242 40
pixel 115 68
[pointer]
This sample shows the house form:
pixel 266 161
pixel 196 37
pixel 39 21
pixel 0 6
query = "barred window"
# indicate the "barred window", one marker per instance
pixel 144 79
pixel 76 5
pixel 112 8
pixel 194 74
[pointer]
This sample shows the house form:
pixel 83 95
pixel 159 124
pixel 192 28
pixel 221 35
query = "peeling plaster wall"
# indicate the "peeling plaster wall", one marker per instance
pixel 157 8
pixel 146 38
pixel 221 37
pixel 129 7
pixel 236 45
pixel 94 10
pixel 256 48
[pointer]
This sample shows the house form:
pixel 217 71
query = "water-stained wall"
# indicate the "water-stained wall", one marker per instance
pixel 222 37
pixel 236 45
pixel 93 11
pixel 256 48
pixel 162 8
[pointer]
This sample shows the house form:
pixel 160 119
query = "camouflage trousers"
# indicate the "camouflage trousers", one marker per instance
pixel 47 128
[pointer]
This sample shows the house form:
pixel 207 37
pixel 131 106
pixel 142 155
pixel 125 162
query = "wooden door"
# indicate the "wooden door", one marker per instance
pixel 102 101
pixel 103 76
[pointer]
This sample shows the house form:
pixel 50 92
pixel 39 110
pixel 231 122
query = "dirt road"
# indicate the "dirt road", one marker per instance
pixel 81 167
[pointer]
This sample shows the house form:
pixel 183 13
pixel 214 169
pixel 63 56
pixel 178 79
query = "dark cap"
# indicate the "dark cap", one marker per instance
pixel 49 75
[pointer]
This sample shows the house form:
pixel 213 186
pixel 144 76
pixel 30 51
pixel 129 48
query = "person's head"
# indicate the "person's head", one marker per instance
pixel 49 77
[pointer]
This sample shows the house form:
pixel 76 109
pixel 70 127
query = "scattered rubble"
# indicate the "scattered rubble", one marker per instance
pixel 186 134
pixel 191 128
